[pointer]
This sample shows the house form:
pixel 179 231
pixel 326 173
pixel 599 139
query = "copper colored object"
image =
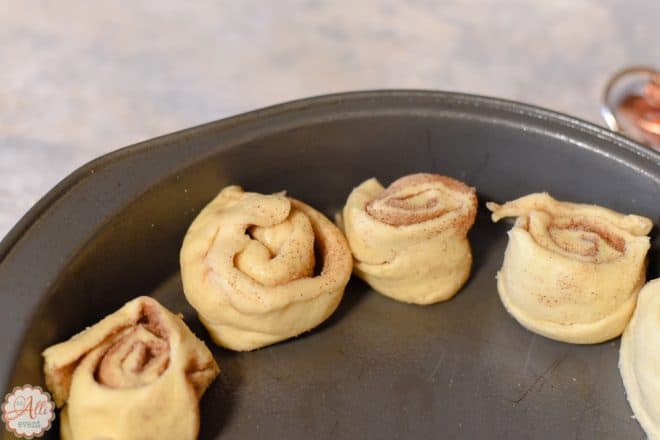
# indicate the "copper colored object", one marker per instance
pixel 632 105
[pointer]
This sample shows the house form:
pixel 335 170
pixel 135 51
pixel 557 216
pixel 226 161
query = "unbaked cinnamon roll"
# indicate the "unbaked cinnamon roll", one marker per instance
pixel 571 272
pixel 262 268
pixel 138 373
pixel 409 241
pixel 639 359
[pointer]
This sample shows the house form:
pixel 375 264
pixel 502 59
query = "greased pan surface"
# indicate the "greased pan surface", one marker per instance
pixel 378 368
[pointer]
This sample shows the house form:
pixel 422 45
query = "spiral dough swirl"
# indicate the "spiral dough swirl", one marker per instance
pixel 639 359
pixel 262 268
pixel 571 271
pixel 409 241
pixel 139 364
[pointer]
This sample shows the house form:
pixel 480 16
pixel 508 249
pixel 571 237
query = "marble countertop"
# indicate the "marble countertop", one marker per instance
pixel 79 79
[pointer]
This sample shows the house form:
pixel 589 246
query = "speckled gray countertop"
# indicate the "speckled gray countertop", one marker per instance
pixel 79 79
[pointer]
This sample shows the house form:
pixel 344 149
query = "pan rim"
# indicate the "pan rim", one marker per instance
pixel 617 142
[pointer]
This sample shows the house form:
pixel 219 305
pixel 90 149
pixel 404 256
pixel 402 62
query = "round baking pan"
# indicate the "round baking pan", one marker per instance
pixel 377 368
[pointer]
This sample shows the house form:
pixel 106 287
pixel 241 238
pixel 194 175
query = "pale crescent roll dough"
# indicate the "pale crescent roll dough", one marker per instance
pixel 639 359
pixel 409 241
pixel 138 373
pixel 571 272
pixel 262 268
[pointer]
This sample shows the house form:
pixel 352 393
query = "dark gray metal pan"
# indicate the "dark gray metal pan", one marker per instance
pixel 377 369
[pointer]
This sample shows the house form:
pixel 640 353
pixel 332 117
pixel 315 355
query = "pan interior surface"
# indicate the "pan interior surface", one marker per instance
pixel 376 368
